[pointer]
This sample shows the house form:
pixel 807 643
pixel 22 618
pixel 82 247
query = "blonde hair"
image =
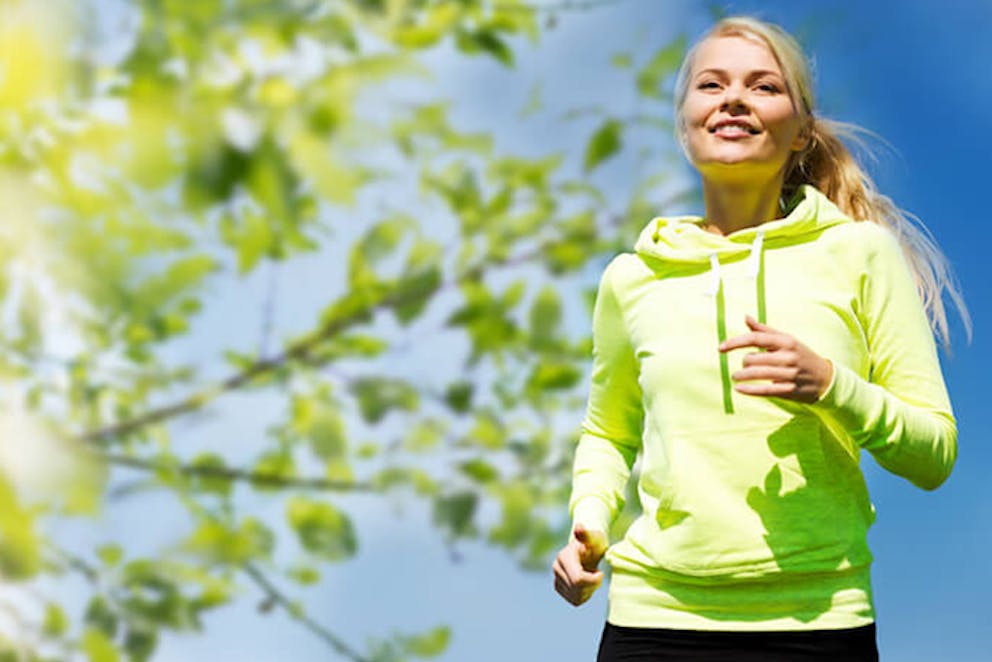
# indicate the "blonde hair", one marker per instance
pixel 827 164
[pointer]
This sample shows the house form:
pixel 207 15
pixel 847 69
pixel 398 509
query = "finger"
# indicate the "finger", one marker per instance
pixel 564 591
pixel 777 358
pixel 755 325
pixel 557 568
pixel 775 389
pixel 773 373
pixel 761 339
pixel 571 565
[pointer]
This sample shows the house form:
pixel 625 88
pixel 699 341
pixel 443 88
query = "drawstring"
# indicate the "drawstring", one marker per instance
pixel 756 264
pixel 756 270
pixel 716 289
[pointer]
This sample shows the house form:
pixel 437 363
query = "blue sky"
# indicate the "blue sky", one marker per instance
pixel 916 73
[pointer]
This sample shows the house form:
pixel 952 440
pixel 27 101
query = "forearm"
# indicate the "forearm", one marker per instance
pixel 599 480
pixel 915 440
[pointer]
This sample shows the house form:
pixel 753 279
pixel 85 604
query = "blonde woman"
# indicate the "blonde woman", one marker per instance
pixel 748 356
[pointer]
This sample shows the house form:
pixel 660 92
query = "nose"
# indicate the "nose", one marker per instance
pixel 733 98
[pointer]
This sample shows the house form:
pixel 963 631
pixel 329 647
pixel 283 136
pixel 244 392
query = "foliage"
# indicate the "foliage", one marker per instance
pixel 229 142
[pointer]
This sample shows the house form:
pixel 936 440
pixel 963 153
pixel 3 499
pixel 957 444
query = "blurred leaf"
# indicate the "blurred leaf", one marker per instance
pixel 377 396
pixel 228 545
pixel 429 644
pixel 140 643
pixel 458 396
pixel 436 23
pixel 56 623
pixel 214 483
pixel 484 41
pixel 604 143
pixel 100 616
pixel 98 647
pixel 545 317
pixel 322 529
pixel 664 64
pixel 453 513
pixel 19 544
pixel 515 524
pixel 479 470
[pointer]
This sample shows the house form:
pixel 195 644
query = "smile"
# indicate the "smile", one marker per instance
pixel 733 131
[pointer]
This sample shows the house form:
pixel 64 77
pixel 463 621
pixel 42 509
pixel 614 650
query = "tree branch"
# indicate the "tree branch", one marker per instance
pixel 275 596
pixel 302 350
pixel 228 473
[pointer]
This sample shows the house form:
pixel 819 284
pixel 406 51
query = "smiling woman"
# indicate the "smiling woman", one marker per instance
pixel 752 542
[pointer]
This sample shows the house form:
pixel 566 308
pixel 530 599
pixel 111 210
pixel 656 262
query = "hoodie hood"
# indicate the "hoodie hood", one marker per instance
pixel 682 240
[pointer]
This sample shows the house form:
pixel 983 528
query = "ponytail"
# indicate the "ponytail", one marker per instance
pixel 827 164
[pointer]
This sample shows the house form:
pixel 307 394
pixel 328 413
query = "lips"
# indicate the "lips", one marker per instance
pixel 732 125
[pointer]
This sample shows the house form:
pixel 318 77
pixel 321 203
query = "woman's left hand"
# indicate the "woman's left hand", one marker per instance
pixel 793 370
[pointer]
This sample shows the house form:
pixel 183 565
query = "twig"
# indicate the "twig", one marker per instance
pixel 274 595
pixel 228 473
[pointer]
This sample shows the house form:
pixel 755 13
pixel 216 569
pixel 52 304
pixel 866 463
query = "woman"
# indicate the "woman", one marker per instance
pixel 747 357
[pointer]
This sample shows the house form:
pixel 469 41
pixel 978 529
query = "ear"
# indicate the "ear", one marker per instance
pixel 804 137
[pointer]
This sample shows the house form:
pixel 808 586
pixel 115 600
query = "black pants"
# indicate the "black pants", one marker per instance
pixel 623 644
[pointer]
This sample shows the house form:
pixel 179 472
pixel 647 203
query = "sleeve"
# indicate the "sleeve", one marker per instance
pixel 902 414
pixel 611 430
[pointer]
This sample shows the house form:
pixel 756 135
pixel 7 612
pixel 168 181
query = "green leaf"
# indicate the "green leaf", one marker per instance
pixel 436 24
pixel 98 648
pixel 229 545
pixel 513 529
pixel 304 574
pixel 20 554
pixel 140 643
pixel 56 623
pixel 487 432
pixel 458 396
pixel 316 419
pixel 664 64
pixel 211 481
pixel 553 376
pixel 429 644
pixel 424 435
pixel 322 529
pixel 453 513
pixel 545 317
pixel 100 616
pixel 604 143
pixel 377 396
pixel 479 470
pixel 484 41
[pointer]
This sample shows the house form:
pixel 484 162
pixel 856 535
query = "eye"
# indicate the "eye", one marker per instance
pixel 708 85
pixel 768 87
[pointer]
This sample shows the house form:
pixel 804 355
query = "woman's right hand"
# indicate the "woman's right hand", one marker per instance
pixel 575 568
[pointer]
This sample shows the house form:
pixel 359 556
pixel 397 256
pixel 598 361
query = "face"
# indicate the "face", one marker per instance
pixel 738 118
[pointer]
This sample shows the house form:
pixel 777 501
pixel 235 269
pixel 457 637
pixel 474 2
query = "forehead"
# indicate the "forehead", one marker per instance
pixel 734 53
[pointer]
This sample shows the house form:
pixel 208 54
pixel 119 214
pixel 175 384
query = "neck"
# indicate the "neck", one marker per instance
pixel 732 206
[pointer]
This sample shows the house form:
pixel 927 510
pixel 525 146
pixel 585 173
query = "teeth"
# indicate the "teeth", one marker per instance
pixel 732 128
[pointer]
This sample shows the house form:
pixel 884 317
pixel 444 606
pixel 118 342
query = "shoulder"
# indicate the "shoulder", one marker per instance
pixel 864 242
pixel 623 271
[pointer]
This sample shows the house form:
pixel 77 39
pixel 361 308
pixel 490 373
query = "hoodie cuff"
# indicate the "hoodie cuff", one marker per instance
pixel 844 403
pixel 592 513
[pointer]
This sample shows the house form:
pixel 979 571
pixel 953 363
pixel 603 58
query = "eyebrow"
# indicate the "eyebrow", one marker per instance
pixel 757 73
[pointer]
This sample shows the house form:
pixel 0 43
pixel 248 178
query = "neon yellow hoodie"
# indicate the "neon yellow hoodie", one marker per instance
pixel 754 509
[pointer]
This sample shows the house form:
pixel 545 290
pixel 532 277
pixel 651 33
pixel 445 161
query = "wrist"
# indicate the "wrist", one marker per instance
pixel 828 381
